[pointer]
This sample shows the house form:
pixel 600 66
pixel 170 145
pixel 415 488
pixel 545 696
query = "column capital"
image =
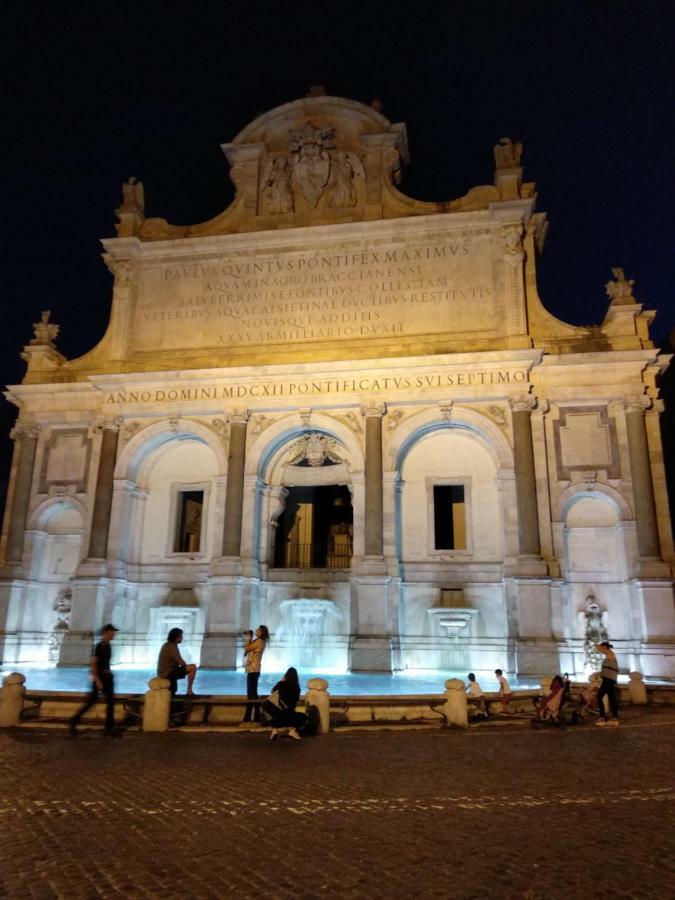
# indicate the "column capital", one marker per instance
pixel 239 416
pixel 523 404
pixel 638 404
pixel 105 423
pixel 25 430
pixel 373 410
pixel 657 407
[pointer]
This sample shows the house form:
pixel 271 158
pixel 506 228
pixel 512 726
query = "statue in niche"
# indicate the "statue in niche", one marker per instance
pixel 620 292
pixel 342 192
pixel 312 164
pixel 278 187
pixel 61 606
pixel 133 195
pixel 593 622
pixel 44 330
pixel 507 154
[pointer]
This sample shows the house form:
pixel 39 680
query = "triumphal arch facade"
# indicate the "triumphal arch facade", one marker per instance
pixel 344 413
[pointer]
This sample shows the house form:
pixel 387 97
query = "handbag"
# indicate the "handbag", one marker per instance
pixel 272 707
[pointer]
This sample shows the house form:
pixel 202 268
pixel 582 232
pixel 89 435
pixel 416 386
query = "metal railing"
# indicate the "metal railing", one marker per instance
pixel 313 556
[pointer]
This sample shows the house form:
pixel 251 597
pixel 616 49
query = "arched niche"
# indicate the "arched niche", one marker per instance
pixel 438 463
pixel 57 531
pixel 593 538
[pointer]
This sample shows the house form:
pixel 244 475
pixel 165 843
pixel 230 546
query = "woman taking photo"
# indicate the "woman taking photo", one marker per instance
pixel 279 708
pixel 253 653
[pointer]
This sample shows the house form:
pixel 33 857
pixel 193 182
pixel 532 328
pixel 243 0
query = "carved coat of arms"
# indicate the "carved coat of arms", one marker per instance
pixel 311 168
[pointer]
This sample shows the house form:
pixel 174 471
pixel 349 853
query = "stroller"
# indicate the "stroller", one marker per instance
pixel 558 707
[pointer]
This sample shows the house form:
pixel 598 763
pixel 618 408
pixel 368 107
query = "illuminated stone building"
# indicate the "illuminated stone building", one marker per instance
pixel 344 413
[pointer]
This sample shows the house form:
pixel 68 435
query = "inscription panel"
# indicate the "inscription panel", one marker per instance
pixel 439 285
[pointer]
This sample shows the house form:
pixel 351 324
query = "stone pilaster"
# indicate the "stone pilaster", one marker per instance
pixel 100 520
pixel 26 437
pixel 373 531
pixel 526 486
pixel 643 490
pixel 234 495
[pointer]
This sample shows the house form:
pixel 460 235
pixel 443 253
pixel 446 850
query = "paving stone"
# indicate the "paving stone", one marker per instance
pixel 492 813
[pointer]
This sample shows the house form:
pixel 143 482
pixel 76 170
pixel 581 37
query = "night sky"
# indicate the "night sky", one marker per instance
pixel 100 91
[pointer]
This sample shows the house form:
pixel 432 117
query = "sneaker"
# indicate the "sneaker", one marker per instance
pixel 614 723
pixel 294 734
pixel 274 735
pixel 601 723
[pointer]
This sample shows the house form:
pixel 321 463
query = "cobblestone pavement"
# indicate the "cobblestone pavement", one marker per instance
pixel 490 813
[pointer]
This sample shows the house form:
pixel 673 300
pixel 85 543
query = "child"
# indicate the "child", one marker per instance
pixel 474 690
pixel 504 692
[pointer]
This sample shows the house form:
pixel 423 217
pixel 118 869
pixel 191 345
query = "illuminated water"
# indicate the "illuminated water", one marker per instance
pixel 215 681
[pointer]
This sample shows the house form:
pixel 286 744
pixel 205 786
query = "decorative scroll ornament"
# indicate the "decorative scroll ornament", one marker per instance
pixel 316 449
pixel 258 424
pixel 130 430
pixel 498 414
pixel 44 330
pixel 394 418
pixel 445 407
pixel 352 421
pixel 507 154
pixel 311 167
pixel 620 292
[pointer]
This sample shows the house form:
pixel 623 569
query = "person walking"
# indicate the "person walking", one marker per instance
pixel 171 664
pixel 279 708
pixel 253 650
pixel 504 693
pixel 609 673
pixel 102 682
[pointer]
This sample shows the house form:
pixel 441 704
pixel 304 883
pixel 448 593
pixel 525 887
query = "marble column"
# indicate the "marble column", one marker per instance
pixel 526 485
pixel 234 495
pixel 27 437
pixel 100 520
pixel 643 490
pixel 373 529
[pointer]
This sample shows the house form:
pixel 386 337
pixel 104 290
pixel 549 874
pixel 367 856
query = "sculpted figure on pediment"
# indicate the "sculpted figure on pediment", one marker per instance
pixel 620 292
pixel 342 191
pixel 133 194
pixel 278 187
pixel 507 154
pixel 312 163
pixel 44 330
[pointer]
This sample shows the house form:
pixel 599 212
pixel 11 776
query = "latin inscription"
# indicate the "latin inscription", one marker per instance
pixel 317 296
pixel 307 387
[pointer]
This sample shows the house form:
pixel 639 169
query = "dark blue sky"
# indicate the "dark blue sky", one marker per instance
pixel 100 91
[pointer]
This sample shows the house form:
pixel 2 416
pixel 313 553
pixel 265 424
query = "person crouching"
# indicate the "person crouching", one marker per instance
pixel 171 664
pixel 279 708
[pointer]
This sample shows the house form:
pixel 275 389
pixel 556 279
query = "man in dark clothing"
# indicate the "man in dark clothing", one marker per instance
pixel 102 682
pixel 171 664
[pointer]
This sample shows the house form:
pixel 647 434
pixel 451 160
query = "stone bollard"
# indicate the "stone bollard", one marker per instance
pixel 157 704
pixel 317 695
pixel 637 690
pixel 12 693
pixel 456 709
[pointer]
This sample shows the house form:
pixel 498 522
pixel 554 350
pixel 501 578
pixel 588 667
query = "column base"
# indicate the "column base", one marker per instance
pixel 370 654
pixel 76 648
pixel 220 650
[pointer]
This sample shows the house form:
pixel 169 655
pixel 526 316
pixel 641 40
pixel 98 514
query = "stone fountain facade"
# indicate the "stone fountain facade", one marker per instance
pixel 328 332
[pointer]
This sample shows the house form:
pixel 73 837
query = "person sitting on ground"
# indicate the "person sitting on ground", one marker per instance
pixel 171 664
pixel 504 693
pixel 473 689
pixel 608 686
pixel 279 708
